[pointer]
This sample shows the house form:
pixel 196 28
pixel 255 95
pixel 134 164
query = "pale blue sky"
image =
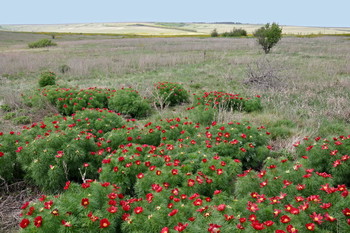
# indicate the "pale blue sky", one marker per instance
pixel 332 13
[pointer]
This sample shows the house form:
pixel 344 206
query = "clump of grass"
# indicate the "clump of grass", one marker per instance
pixel 21 120
pixel 41 44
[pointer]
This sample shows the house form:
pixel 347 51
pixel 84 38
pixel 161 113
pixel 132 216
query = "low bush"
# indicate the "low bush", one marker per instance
pixel 170 94
pixel 10 171
pixel 90 207
pixel 236 32
pixel 214 33
pixel 47 78
pixel 41 43
pixel 63 149
pixel 228 101
pixel 70 100
pixel 328 155
pixel 202 113
pixel 128 101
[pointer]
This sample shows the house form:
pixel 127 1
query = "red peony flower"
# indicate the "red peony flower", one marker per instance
pixel 292 229
pixel 25 205
pixel 252 207
pixel 310 226
pixel 38 221
pixel 221 207
pixel 316 217
pixel 138 210
pixel 173 212
pixel 329 218
pixel 258 226
pixel 85 202
pixel 66 224
pixel 112 209
pixel 240 226
pixel 165 230
pixel 24 223
pixel 285 219
pixel 268 223
pixel 104 223
pixel 67 185
pixel 140 175
pixel 198 202
pixel 346 212
pixel 180 227
pixel 214 228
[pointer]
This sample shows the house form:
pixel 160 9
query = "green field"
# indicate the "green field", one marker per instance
pixel 304 83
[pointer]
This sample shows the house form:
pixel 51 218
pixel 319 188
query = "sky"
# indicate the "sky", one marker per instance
pixel 324 13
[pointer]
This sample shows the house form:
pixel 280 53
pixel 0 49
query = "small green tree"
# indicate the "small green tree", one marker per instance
pixel 268 36
pixel 214 33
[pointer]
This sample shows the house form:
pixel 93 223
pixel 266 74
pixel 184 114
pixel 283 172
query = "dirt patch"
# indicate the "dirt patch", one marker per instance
pixel 12 197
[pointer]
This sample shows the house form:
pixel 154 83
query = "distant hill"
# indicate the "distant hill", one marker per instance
pixel 158 28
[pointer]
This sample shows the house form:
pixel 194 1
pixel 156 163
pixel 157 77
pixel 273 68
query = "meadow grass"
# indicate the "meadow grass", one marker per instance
pixel 309 86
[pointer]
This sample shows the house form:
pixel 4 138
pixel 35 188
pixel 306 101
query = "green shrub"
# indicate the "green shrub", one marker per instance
pixel 96 121
pixel 268 36
pixel 41 43
pixel 214 33
pixel 129 102
pixel 66 148
pixel 236 32
pixel 70 100
pixel 60 156
pixel 10 170
pixel 91 207
pixel 171 94
pixel 202 113
pixel 47 78
pixel 228 101
pixel 328 155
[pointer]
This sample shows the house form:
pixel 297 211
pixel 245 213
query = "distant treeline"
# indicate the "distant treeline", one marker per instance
pixel 217 22
pixel 226 23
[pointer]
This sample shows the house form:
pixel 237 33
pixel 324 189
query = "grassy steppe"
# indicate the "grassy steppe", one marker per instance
pixel 305 90
pixel 309 77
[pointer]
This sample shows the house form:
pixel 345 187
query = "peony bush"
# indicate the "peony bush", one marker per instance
pixel 129 102
pixel 170 94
